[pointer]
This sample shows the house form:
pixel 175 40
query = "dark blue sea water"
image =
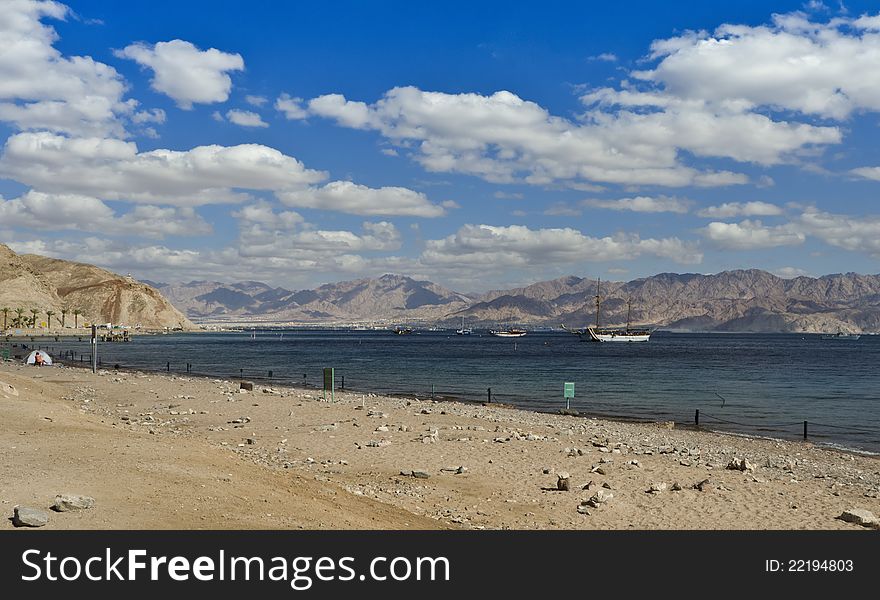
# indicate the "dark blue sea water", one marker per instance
pixel 769 383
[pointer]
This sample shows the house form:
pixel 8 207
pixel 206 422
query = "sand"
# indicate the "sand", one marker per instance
pixel 168 451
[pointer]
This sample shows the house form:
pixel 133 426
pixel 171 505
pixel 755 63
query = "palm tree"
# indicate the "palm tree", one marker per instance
pixel 76 313
pixel 18 318
pixel 49 314
pixel 34 313
pixel 5 311
pixel 64 312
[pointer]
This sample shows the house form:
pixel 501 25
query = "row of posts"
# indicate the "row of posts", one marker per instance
pixel 697 422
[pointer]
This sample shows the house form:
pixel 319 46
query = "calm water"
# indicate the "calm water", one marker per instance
pixel 770 383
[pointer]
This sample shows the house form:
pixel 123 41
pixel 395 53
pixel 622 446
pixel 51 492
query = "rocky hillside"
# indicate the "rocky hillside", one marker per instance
pixel 36 282
pixel 744 300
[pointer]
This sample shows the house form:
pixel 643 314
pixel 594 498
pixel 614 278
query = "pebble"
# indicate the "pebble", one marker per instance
pixel 860 516
pixel 66 502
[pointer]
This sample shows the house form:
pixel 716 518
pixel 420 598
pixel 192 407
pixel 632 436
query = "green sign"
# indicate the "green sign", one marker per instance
pixel 329 382
pixel 568 389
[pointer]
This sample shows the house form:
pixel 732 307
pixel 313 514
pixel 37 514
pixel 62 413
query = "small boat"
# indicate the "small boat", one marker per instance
pixel 510 332
pixel 840 335
pixel 463 331
pixel 403 330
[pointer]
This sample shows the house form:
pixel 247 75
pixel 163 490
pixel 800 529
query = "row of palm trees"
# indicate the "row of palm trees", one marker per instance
pixel 20 320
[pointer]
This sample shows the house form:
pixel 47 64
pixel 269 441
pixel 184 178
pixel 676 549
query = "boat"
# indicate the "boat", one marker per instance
pixel 840 335
pixel 403 330
pixel 608 334
pixel 463 330
pixel 510 332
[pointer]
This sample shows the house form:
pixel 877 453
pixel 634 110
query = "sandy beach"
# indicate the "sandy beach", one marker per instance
pixel 161 451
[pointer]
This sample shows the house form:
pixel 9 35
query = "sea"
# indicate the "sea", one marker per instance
pixel 753 384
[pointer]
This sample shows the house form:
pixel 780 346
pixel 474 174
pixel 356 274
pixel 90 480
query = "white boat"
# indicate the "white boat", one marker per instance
pixel 840 335
pixel 509 333
pixel 607 334
pixel 464 331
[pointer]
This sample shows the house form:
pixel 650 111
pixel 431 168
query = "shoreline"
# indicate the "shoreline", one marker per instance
pixel 623 419
pixel 485 466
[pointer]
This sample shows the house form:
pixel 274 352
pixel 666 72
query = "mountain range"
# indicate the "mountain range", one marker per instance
pixel 740 300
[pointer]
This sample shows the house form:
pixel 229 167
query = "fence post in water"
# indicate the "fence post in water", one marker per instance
pixel 343 382
pixel 432 391
pixel 489 394
pixel 805 430
pixel 697 418
pixel 270 374
pixel 168 366
pixel 241 373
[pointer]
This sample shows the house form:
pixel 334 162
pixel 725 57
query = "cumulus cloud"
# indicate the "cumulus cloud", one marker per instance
pixel 57 212
pixel 740 209
pixel 42 89
pixel 642 204
pixel 245 118
pixel 184 73
pixel 114 170
pixel 821 69
pixel 517 246
pixel 257 101
pixel 872 173
pixel 752 235
pixel 351 198
pixel 291 107
pixel 859 234
pixel 503 138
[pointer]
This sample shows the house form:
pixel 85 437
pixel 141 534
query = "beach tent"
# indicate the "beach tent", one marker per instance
pixel 47 360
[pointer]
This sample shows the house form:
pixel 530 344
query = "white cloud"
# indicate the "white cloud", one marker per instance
pixel 115 170
pixel 503 138
pixel 740 209
pixel 389 151
pixel 643 204
pixel 245 118
pixel 257 101
pixel 516 246
pixel 56 212
pixel 156 115
pixel 752 235
pixel 604 57
pixel 291 107
pixel 790 272
pixel 822 69
pixel 858 234
pixel 42 89
pixel 348 197
pixel 872 173
pixel 185 73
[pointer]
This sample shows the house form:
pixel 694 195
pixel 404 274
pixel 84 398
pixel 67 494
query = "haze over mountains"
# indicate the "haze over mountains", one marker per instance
pixel 742 300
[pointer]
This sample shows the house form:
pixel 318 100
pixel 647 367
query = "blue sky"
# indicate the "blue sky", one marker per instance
pixel 479 146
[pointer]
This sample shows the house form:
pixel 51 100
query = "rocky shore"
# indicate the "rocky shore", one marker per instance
pixel 402 462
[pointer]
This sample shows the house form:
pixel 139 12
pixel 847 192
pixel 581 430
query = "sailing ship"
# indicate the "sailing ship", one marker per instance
pixel 463 331
pixel 608 334
pixel 840 335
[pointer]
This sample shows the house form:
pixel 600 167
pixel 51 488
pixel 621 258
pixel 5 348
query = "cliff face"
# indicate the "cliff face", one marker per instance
pixel 36 282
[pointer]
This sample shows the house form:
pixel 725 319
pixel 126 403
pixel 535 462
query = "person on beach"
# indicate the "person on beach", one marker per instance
pixel 38 360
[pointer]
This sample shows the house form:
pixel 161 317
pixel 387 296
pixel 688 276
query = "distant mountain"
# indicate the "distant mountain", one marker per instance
pixel 742 300
pixel 390 297
pixel 28 281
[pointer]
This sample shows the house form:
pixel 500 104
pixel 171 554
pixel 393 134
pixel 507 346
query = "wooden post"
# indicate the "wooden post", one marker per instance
pixel 697 418
pixel 270 374
pixel 168 366
pixel 489 394
pixel 805 430
pixel 343 382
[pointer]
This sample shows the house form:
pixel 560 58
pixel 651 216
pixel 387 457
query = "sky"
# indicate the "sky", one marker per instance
pixel 477 145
